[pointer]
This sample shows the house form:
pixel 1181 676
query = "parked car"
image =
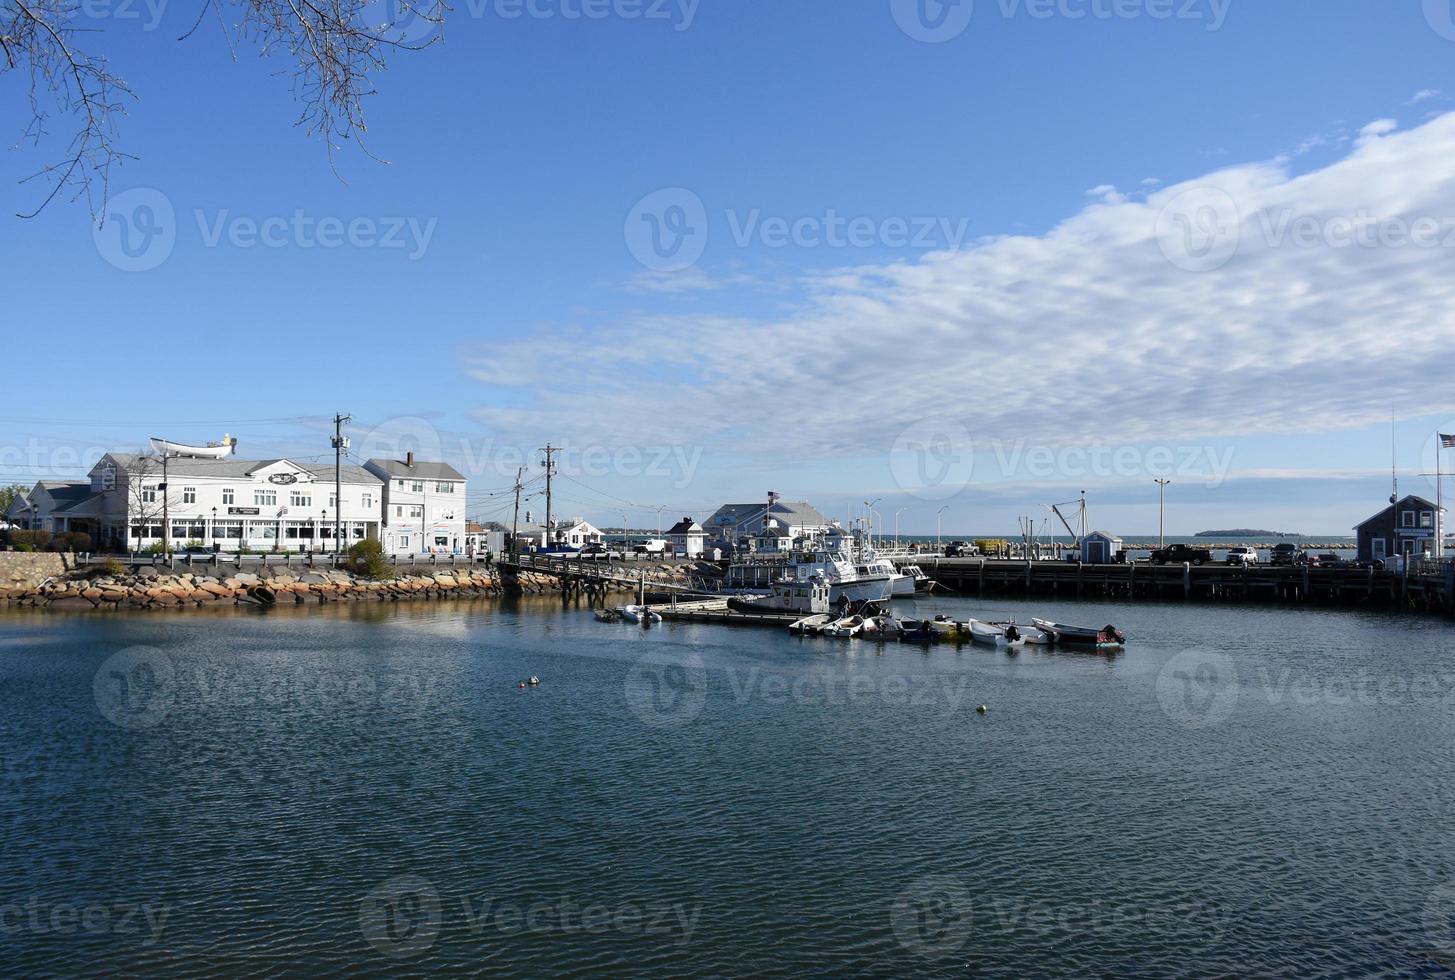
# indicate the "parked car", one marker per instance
pixel 1284 554
pixel 1177 554
pixel 601 552
pixel 1242 555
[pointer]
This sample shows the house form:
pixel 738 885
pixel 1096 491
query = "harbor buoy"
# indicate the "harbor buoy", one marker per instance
pixel 521 685
pixel 535 682
pixel 983 709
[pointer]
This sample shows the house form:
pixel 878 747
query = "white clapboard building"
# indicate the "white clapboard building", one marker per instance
pixel 424 506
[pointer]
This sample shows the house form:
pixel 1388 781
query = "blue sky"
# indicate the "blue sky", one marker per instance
pixel 496 295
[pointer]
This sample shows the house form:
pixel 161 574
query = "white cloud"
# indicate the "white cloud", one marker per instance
pixel 1086 332
pixel 1424 95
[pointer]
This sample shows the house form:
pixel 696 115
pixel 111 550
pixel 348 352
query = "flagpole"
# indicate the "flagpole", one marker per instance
pixel 1439 499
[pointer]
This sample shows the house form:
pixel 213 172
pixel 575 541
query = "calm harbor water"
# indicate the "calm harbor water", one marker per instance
pixel 365 791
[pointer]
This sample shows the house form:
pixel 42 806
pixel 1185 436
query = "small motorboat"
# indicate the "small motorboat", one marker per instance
pixel 1108 637
pixel 811 624
pixel 848 627
pixel 885 627
pixel 916 631
pixel 640 614
pixel 1033 635
pixel 996 636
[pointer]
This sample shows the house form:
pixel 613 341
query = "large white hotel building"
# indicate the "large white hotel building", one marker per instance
pixel 411 506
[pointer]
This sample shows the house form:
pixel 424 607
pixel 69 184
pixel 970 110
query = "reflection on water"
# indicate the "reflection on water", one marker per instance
pixel 367 789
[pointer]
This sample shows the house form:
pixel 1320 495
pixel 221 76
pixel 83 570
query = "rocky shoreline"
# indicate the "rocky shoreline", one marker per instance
pixel 151 588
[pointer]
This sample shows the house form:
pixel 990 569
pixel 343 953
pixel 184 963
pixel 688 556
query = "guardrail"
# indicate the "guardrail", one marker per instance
pixel 282 560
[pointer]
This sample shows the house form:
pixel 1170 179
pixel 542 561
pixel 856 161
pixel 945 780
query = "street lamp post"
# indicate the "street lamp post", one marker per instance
pixel 937 526
pixel 1161 500
pixel 896 527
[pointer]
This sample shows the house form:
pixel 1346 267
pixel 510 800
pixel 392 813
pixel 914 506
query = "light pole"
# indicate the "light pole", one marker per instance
pixel 896 527
pixel 1161 494
pixel 937 526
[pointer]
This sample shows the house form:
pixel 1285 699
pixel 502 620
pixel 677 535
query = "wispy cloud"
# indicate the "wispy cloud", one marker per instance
pixel 1089 331
pixel 1424 95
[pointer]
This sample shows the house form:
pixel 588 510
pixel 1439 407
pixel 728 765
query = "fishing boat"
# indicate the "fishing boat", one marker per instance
pixel 996 636
pixel 1104 638
pixel 807 596
pixel 213 450
pixel 922 582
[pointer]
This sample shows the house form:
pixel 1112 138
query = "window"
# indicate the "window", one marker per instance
pixel 401 484
pixel 441 542
pixel 265 498
pixel 227 495
pixel 1407 518
pixel 368 501
pixel 149 495
pixel 416 512
pixel 444 488
pixel 417 486
pixel 189 495
pixel 332 500
pixel 298 498
pixel 1427 518
pixel 398 511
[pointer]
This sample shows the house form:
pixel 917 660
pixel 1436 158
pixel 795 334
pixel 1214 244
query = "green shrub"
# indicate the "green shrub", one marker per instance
pixel 367 558
pixel 24 546
pixel 113 568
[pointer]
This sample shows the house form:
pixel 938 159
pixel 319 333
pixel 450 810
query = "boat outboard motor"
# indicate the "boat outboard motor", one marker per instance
pixel 1011 633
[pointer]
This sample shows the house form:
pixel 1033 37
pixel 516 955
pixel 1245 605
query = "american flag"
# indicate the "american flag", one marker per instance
pixel 773 497
pixel 1447 442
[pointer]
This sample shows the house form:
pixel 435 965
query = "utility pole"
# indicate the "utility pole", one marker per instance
pixel 166 529
pixel 339 445
pixel 1161 493
pixel 550 451
pixel 515 523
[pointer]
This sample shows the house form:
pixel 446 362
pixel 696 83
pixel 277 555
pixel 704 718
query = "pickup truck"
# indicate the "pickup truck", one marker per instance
pixel 1284 554
pixel 1176 554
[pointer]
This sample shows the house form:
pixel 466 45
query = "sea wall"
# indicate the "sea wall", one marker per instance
pixel 150 588
pixel 23 570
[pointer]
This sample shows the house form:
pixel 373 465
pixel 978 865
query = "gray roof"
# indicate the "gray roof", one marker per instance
pixel 192 466
pixel 421 470
pixel 794 512
pixel 686 526
pixel 68 496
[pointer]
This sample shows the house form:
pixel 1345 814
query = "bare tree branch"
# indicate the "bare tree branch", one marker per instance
pixel 332 47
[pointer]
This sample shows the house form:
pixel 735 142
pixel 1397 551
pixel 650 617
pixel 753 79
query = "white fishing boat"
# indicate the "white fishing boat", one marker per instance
pixel 996 636
pixel 213 450
pixel 922 582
